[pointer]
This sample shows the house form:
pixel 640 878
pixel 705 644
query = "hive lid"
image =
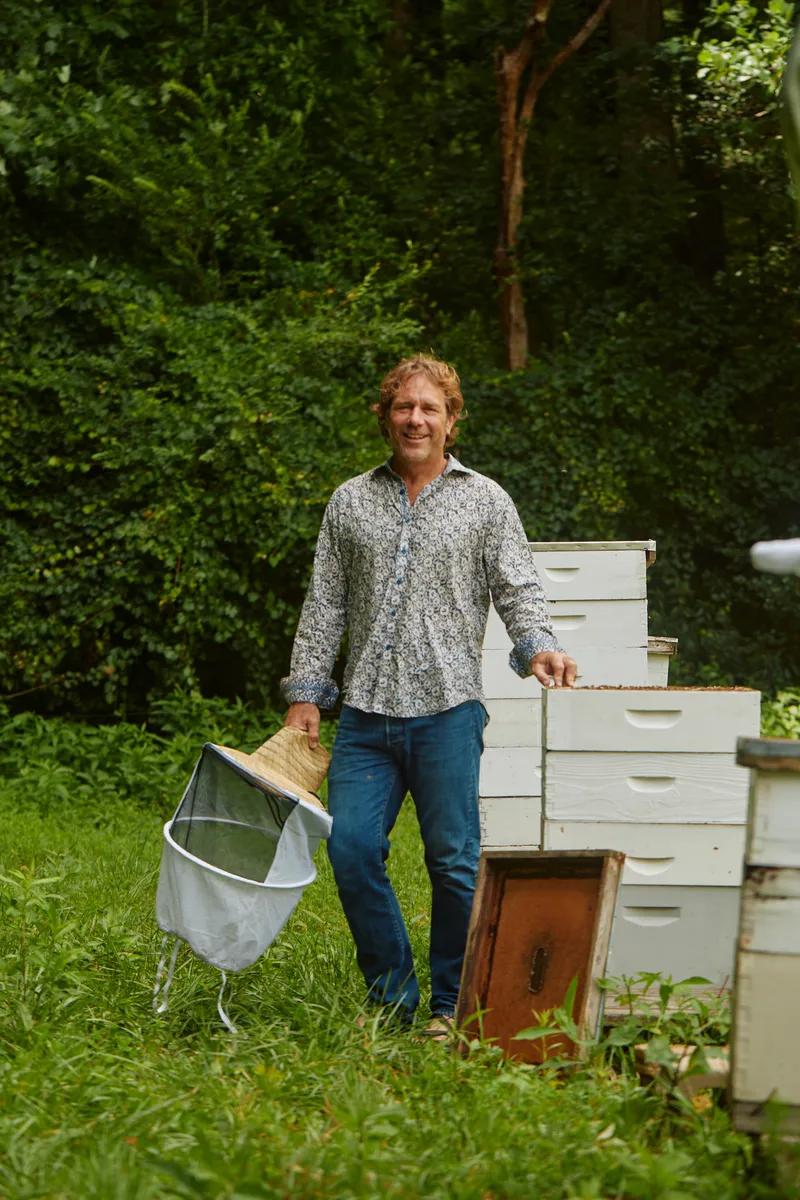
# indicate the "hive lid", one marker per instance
pixel 648 546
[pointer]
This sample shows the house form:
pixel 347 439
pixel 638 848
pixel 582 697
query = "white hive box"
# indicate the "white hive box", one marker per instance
pixel 657 765
pixel 597 596
pixel 513 722
pixel 766 1048
pixel 659 855
pixel 510 822
pixel 656 788
pixel 660 653
pixel 652 720
pixel 677 931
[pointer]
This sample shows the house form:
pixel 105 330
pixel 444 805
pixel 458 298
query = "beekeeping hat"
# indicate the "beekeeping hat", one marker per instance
pixel 287 761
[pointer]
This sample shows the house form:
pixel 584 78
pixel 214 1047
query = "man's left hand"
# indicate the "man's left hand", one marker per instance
pixel 554 669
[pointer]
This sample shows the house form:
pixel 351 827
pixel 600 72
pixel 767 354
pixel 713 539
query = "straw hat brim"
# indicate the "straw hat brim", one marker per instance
pixel 271 777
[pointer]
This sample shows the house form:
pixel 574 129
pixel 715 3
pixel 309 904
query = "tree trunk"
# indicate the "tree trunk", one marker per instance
pixel 516 101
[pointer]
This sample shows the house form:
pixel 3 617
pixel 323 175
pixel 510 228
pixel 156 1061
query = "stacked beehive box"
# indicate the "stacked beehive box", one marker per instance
pixel 766 1048
pixel 652 772
pixel 598 601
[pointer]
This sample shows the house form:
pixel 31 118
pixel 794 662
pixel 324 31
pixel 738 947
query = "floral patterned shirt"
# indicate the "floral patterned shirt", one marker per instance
pixel 411 585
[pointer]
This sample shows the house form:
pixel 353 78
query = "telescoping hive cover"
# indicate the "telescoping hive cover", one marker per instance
pixel 236 858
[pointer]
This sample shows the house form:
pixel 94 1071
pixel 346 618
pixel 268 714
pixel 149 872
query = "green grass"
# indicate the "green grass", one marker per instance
pixel 101 1098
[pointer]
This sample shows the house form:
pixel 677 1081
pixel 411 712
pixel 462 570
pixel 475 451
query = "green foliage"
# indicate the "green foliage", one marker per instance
pixel 781 717
pixel 57 769
pixel 108 1102
pixel 220 226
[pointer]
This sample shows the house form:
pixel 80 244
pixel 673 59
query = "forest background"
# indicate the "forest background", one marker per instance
pixel 221 222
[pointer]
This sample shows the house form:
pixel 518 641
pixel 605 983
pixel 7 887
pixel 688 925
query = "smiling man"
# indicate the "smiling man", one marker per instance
pixel 408 558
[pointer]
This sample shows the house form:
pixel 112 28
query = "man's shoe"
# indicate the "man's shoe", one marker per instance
pixel 440 1028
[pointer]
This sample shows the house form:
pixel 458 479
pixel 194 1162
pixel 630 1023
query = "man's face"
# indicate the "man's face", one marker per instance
pixel 418 423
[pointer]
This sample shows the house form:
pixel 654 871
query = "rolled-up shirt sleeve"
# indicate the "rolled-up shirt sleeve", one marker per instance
pixel 322 623
pixel 516 590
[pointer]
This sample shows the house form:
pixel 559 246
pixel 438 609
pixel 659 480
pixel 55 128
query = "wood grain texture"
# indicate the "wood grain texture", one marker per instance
pixel 661 789
pixel 774 819
pixel 769 754
pixel 650 719
pixel 511 822
pixel 765 1045
pixel 537 923
pixel 769 922
pixel 659 855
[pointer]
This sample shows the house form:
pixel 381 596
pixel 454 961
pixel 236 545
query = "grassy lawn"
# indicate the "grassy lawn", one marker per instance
pixel 101 1098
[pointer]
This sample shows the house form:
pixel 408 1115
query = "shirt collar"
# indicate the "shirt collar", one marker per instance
pixel 452 464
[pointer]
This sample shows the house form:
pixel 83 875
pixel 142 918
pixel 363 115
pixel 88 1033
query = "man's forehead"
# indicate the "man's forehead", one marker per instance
pixel 419 386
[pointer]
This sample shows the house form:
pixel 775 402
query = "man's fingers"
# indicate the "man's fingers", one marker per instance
pixel 541 673
pixel 305 717
pixel 553 669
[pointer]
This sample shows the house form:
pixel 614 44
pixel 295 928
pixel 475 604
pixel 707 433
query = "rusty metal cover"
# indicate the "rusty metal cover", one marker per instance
pixel 539 921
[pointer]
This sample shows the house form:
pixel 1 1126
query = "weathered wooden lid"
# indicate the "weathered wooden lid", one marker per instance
pixel 768 754
pixel 662 645
pixel 649 547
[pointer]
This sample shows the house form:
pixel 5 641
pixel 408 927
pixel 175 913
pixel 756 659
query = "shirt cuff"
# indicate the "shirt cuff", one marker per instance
pixel 322 692
pixel 533 643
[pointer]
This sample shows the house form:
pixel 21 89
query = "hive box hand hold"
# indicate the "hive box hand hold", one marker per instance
pixel 539 921
pixel 622 719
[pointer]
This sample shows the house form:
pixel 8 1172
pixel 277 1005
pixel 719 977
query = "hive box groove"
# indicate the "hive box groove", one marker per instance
pixel 678 788
pixel 659 855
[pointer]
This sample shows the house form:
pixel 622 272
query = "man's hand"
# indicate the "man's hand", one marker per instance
pixel 305 716
pixel 554 669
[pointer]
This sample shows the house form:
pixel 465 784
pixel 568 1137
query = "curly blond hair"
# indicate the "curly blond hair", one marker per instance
pixel 440 373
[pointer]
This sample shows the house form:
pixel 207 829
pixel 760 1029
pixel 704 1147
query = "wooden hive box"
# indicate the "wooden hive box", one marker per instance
pixel 538 922
pixel 765 1069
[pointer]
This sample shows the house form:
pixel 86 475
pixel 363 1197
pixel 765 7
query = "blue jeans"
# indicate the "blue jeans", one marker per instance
pixel 376 760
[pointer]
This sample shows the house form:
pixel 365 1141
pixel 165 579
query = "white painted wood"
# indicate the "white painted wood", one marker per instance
pixel 648 547
pixel 659 855
pixel 598 665
pixel 511 771
pixel 657 669
pixel 696 789
pixel 583 624
pixel 510 821
pixel 766 1048
pixel 770 915
pixel 513 723
pixel 705 720
pixel 662 645
pixel 774 821
pixel 678 931
pixel 501 683
pixel 592 574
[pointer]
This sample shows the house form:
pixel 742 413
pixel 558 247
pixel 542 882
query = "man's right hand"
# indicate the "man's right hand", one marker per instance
pixel 306 717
